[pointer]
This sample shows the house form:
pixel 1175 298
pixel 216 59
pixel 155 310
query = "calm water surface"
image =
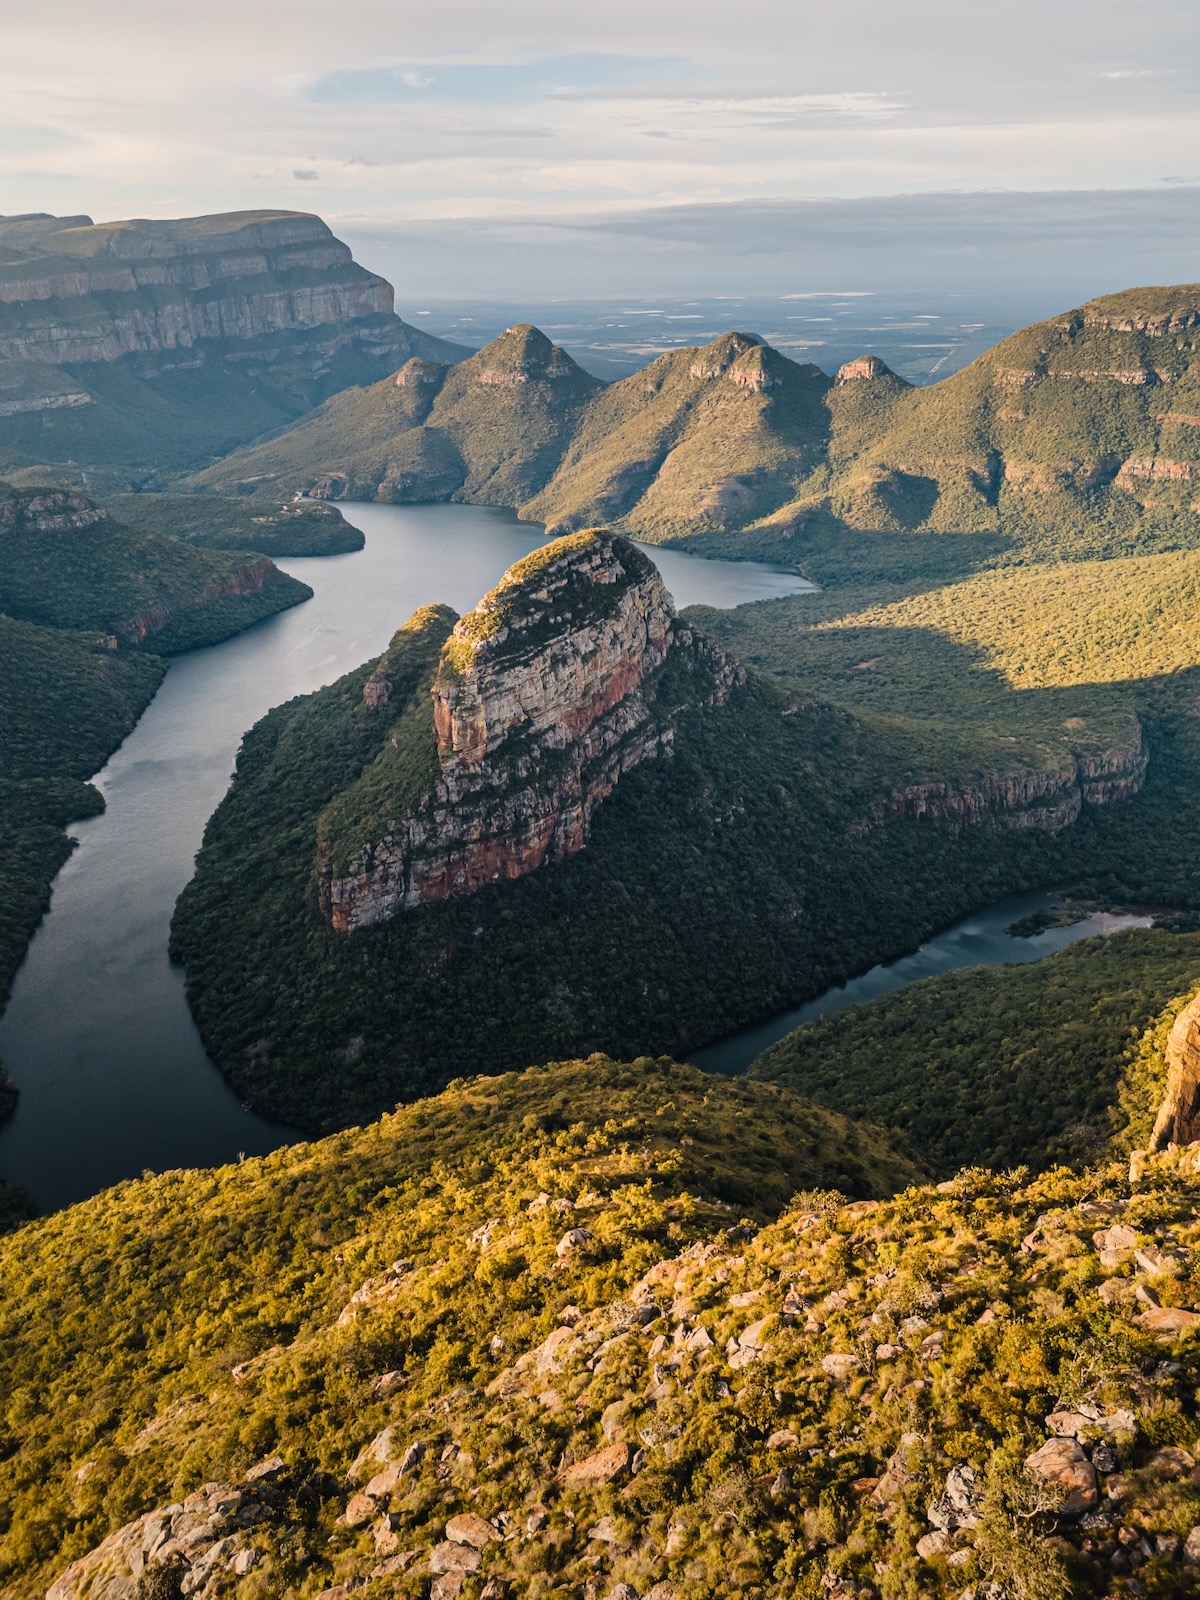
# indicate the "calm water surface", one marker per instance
pixel 976 941
pixel 98 1036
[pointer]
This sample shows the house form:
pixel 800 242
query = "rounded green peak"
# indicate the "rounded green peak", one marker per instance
pixel 713 359
pixel 864 367
pixel 427 619
pixel 417 370
pixel 522 346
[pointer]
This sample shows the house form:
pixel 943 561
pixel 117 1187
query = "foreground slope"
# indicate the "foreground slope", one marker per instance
pixel 546 827
pixel 516 1341
pixel 255 1263
pixel 148 344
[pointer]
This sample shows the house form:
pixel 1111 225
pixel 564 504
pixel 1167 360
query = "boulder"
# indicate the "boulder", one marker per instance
pixel 933 1544
pixel 840 1366
pixel 361 1509
pixel 1115 1245
pixel 574 1239
pixel 1063 1465
pixel 751 1338
pixel 375 1454
pixel 266 1471
pixel 606 1466
pixel 958 1504
pixel 470 1529
pixel 452 1557
pixel 1089 1422
pixel 447 1584
pixel 1171 1462
pixel 1168 1320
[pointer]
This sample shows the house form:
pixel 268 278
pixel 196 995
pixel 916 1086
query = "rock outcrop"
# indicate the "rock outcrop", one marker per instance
pixel 1178 1120
pixel 197 1547
pixel 867 367
pixel 545 696
pixel 1047 800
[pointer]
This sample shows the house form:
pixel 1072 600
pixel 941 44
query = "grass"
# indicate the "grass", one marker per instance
pixel 177 1329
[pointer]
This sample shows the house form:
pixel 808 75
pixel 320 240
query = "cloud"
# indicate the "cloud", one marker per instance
pixel 538 115
pixel 1062 246
pixel 496 83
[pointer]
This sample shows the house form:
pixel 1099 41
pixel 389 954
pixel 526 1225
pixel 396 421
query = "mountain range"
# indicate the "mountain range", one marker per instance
pixel 1081 430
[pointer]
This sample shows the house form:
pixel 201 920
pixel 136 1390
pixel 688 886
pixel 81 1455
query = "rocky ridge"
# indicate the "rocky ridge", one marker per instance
pixel 544 697
pixel 64 562
pixel 160 344
pixel 1082 420
pixel 166 286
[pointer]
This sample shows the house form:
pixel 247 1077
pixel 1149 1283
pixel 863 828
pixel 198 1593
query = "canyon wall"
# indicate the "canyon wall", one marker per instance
pixel 271 297
pixel 1047 800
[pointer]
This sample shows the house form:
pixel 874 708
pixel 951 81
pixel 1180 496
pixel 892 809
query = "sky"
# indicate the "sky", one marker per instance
pixel 470 148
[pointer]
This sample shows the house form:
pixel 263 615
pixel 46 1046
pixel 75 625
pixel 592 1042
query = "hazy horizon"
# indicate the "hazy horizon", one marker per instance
pixel 538 153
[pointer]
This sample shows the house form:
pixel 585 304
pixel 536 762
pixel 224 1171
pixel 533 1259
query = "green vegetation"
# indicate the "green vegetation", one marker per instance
pixel 490 431
pixel 83 596
pixel 66 702
pixel 782 1405
pixel 217 522
pixel 752 837
pixel 997 1066
pixel 65 565
pixel 1074 439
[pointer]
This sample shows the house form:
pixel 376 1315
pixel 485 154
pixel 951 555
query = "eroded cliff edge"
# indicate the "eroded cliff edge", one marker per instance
pixel 542 698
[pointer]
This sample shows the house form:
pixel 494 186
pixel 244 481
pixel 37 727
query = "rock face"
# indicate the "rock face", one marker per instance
pixel 270 298
pixel 1046 801
pixel 864 367
pixel 167 285
pixel 201 1543
pixel 1178 1120
pixel 544 697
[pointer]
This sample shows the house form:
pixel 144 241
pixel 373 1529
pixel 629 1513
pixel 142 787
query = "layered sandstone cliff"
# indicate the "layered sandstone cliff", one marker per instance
pixel 1046 800
pixel 273 292
pixel 1178 1120
pixel 544 697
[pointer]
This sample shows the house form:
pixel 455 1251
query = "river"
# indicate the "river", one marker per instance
pixel 979 940
pixel 98 1036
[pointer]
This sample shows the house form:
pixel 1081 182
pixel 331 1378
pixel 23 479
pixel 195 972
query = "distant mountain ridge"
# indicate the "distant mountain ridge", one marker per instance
pixel 242 320
pixel 1083 426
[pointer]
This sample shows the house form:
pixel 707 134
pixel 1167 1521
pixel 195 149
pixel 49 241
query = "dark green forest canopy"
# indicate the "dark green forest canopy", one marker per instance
pixel 1000 1066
